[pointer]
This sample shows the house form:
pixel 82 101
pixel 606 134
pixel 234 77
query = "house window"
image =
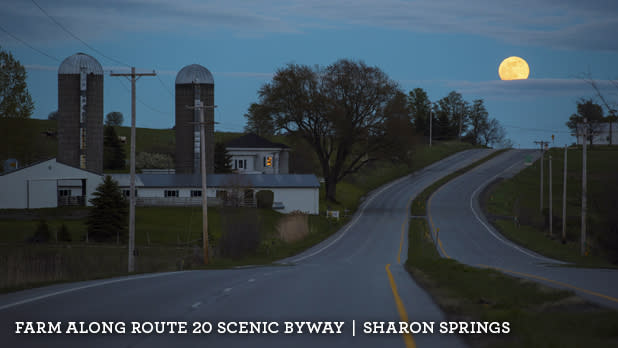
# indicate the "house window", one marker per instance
pixel 171 193
pixel 240 163
pixel 64 193
pixel 196 193
pixel 127 193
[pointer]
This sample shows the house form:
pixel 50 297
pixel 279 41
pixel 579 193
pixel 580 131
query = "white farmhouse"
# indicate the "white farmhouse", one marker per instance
pixel 252 154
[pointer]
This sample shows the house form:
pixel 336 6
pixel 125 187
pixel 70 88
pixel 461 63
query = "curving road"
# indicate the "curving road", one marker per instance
pixel 356 275
pixel 466 235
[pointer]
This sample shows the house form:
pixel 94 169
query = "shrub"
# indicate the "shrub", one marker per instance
pixel 265 199
pixel 41 234
pixel 241 233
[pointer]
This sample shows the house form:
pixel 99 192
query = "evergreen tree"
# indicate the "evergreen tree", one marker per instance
pixel 222 159
pixel 113 151
pixel 15 100
pixel 108 217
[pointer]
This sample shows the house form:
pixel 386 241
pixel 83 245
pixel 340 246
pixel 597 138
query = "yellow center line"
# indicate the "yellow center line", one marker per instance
pixel 593 293
pixel 407 337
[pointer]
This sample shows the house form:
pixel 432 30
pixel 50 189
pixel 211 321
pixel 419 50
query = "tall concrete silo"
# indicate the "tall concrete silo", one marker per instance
pixel 194 83
pixel 80 108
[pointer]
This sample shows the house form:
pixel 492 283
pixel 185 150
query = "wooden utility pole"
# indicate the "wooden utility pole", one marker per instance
pixel 133 78
pixel 551 216
pixel 430 125
pixel 198 106
pixel 543 144
pixel 564 189
pixel 584 202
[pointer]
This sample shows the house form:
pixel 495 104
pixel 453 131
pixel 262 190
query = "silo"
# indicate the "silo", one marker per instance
pixel 80 108
pixel 194 83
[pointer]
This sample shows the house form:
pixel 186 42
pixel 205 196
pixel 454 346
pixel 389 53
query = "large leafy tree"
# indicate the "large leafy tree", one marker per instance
pixel 107 220
pixel 420 109
pixel 339 111
pixel 259 120
pixel 452 115
pixel 15 100
pixel 479 121
pixel 593 114
pixel 114 118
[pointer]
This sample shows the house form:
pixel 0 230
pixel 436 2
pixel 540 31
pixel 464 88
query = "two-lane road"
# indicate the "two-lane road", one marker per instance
pixel 467 236
pixel 355 275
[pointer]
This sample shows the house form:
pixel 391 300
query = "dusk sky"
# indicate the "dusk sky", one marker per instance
pixel 437 45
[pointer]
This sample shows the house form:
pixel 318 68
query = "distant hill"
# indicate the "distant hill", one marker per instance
pixel 33 140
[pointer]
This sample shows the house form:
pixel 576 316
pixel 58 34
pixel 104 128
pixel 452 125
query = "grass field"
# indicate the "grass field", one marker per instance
pixel 519 197
pixel 539 316
pixel 174 232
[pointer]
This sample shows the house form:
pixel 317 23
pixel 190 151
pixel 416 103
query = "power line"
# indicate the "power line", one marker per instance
pixel 536 129
pixel 27 44
pixel 165 86
pixel 142 102
pixel 76 37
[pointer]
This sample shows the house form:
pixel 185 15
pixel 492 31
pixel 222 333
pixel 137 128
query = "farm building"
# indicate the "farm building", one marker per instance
pixel 47 184
pixel 291 191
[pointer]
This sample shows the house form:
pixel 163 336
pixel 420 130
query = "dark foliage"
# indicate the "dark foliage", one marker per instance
pixel 113 151
pixel 265 199
pixel 222 159
pixel 107 220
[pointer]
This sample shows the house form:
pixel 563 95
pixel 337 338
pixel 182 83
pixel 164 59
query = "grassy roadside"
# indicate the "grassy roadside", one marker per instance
pixel 519 197
pixel 539 316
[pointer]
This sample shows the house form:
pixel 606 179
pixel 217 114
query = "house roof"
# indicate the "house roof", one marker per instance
pixel 44 161
pixel 252 140
pixel 221 180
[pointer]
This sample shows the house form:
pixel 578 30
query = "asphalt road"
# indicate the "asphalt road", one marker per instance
pixel 346 278
pixel 466 235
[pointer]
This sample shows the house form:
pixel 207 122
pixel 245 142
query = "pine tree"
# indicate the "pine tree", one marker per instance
pixel 108 216
pixel 222 159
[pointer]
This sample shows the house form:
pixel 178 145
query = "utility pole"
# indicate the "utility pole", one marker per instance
pixel 583 226
pixel 543 144
pixel 199 107
pixel 551 216
pixel 133 77
pixel 430 126
pixel 564 188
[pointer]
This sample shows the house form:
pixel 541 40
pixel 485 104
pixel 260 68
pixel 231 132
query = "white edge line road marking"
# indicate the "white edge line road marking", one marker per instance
pixel 14 304
pixel 360 213
pixel 489 229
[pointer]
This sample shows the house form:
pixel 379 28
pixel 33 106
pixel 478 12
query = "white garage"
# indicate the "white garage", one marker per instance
pixel 47 184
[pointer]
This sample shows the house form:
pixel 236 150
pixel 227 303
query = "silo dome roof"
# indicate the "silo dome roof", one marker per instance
pixel 194 73
pixel 72 65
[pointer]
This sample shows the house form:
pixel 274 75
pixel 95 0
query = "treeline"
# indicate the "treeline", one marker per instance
pixel 452 118
pixel 351 114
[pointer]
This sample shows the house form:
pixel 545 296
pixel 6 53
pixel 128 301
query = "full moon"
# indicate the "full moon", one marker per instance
pixel 513 68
